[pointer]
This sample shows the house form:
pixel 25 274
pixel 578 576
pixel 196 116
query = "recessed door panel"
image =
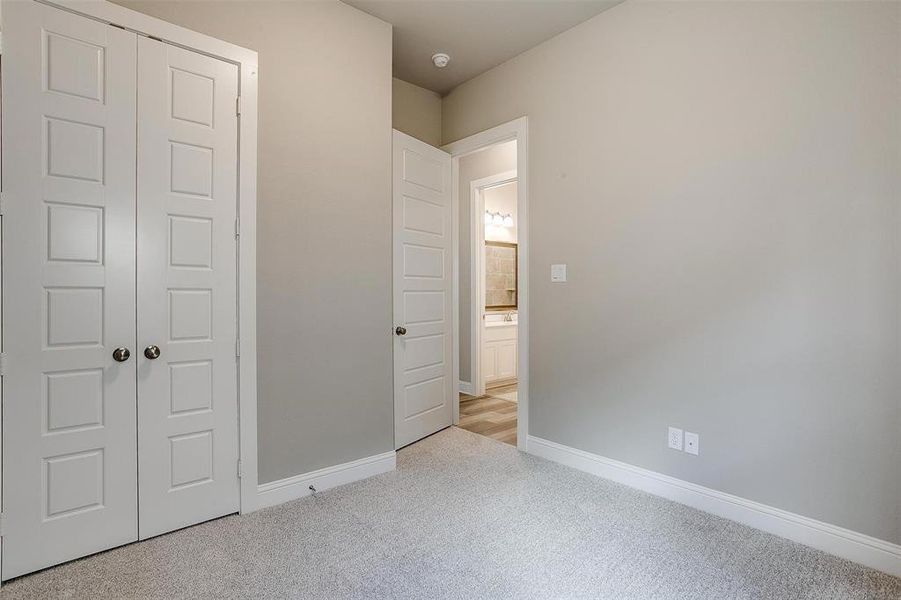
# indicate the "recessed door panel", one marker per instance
pixel 423 216
pixel 191 169
pixel 190 242
pixel 423 397
pixel 69 438
pixel 506 360
pixel 74 66
pixel 422 168
pixel 187 303
pixel 73 399
pixel 74 233
pixel 190 386
pixel 489 362
pixel 425 351
pixel 423 261
pixel 193 97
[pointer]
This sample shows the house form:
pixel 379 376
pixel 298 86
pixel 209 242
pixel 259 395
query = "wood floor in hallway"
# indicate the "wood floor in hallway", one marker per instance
pixel 491 415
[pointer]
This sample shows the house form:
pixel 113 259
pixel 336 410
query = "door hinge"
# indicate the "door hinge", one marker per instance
pixel 2 364
pixel 237 228
pixel 1 524
pixel 2 204
pixel 240 470
pixel 238 106
pixel 238 348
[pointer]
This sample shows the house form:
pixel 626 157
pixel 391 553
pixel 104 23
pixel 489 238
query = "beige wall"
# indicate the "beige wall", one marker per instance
pixel 492 161
pixel 722 179
pixel 416 111
pixel 324 251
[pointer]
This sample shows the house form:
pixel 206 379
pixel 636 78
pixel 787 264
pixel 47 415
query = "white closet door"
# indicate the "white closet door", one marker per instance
pixel 423 385
pixel 69 485
pixel 187 275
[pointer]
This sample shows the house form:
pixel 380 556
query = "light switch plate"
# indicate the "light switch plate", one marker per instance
pixel 692 443
pixel 674 438
pixel 558 273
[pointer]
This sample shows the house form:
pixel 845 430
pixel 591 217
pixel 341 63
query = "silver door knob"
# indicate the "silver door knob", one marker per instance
pixel 152 352
pixel 400 330
pixel 121 354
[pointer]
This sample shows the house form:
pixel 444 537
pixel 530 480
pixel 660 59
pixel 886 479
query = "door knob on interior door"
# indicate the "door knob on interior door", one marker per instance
pixel 152 352
pixel 121 354
pixel 400 330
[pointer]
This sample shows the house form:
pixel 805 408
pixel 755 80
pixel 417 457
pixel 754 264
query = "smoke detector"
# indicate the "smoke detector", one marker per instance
pixel 440 59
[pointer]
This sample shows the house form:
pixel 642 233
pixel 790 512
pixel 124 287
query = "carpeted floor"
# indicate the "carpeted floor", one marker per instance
pixel 468 517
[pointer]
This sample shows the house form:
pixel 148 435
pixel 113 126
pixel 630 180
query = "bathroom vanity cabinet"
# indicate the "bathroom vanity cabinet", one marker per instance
pixel 499 352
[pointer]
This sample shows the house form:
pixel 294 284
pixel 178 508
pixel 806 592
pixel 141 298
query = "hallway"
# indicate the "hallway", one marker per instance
pixel 492 415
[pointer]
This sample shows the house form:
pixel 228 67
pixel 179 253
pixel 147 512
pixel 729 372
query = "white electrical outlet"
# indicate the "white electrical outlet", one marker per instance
pixel 675 438
pixel 692 443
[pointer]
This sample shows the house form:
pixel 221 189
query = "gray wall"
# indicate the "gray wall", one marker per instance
pixel 723 180
pixel 324 206
pixel 416 111
pixel 494 160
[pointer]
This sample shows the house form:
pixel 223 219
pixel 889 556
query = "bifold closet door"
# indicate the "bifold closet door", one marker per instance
pixel 187 296
pixel 69 462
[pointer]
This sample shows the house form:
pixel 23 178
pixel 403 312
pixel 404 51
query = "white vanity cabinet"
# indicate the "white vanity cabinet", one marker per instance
pixel 499 352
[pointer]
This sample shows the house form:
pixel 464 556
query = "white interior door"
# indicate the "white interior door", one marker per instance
pixel 187 295
pixel 423 383
pixel 69 485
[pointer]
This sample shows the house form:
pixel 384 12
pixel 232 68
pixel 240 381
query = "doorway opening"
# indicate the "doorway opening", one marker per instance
pixel 491 293
pixel 488 402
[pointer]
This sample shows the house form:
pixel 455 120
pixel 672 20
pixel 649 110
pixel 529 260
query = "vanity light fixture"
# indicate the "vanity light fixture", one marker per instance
pixel 498 220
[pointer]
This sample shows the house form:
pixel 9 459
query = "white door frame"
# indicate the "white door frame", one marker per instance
pixel 477 189
pixel 518 130
pixel 246 61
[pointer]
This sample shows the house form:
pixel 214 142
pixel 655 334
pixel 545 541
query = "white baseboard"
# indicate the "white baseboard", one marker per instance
pixel 298 486
pixel 500 382
pixel 857 547
pixel 466 387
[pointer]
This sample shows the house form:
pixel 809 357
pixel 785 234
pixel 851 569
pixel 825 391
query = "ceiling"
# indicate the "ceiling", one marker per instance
pixel 477 34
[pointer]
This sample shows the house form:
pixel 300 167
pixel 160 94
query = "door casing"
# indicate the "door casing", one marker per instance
pixel 518 130
pixel 476 201
pixel 246 62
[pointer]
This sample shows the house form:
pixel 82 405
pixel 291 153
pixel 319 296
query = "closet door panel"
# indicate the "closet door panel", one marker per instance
pixel 187 276
pixel 69 468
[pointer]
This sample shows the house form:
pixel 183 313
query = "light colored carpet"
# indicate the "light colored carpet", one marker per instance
pixel 467 517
